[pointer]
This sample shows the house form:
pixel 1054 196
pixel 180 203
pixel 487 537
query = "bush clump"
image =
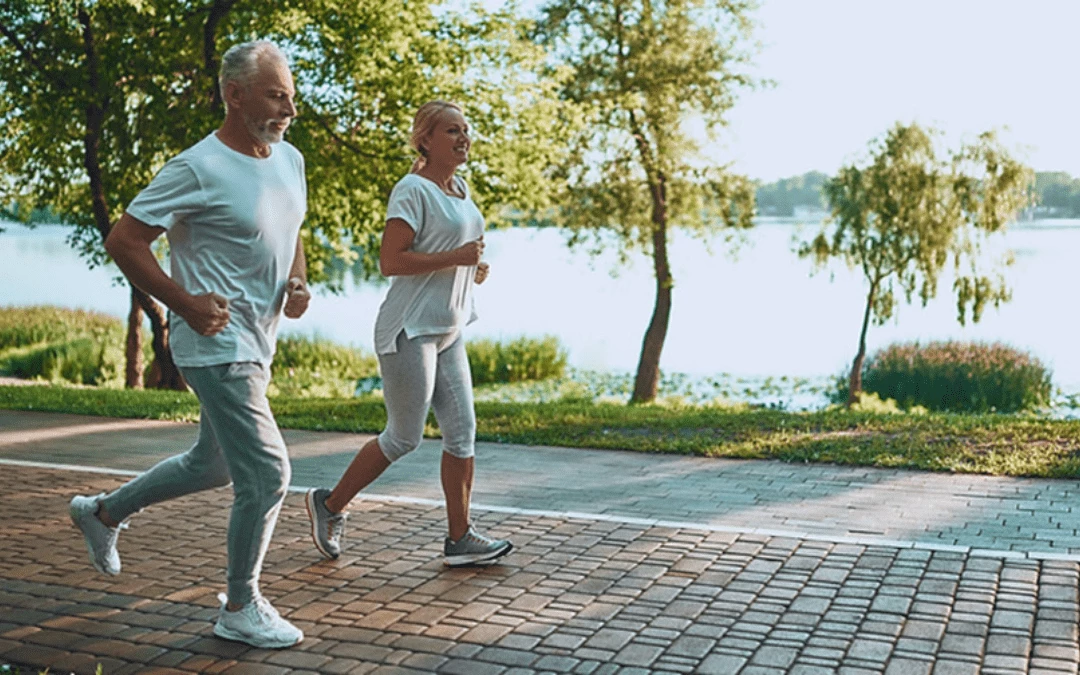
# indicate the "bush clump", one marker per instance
pixel 958 377
pixel 57 344
pixel 314 366
pixel 520 360
pixel 30 326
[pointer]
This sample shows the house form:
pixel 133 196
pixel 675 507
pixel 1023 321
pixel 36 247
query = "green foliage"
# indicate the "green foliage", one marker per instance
pixel 784 196
pixel 959 377
pixel 81 361
pixel 357 99
pixel 908 213
pixel 520 360
pixel 315 366
pixel 151 84
pixel 642 73
pixel 58 344
pixel 992 444
pixel 31 326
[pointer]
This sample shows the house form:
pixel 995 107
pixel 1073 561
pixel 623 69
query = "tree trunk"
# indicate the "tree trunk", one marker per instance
pixel 95 118
pixel 855 379
pixel 163 371
pixel 133 377
pixel 217 14
pixel 647 379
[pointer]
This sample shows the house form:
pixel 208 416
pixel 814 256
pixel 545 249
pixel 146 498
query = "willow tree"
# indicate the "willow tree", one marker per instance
pixel 912 211
pixel 643 72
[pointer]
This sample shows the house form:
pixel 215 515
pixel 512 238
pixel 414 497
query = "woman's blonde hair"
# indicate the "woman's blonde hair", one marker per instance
pixel 424 123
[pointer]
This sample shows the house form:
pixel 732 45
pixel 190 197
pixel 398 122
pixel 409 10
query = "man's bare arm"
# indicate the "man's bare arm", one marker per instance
pixel 297 295
pixel 129 245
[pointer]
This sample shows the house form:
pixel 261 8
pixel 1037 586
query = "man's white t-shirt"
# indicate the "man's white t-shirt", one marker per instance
pixel 232 222
pixel 438 302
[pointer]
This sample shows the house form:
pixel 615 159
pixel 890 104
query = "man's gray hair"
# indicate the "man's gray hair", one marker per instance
pixel 241 62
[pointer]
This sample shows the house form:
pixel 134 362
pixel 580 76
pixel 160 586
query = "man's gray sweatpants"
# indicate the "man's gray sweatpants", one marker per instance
pixel 238 440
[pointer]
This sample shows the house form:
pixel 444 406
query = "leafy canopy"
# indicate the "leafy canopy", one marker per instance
pixel 909 212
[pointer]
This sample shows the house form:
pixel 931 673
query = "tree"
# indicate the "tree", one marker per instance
pixel 906 214
pixel 642 71
pixel 357 98
pixel 97 95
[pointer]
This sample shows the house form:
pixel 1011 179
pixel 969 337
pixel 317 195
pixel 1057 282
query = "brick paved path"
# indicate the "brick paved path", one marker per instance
pixel 834 503
pixel 582 594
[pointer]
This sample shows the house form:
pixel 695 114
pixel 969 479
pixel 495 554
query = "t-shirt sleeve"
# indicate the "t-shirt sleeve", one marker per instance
pixel 406 203
pixel 174 193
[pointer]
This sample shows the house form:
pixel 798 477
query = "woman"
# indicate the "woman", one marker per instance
pixel 431 250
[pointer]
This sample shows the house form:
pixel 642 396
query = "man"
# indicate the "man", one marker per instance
pixel 231 206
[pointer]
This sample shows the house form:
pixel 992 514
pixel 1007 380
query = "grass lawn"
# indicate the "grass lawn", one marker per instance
pixel 992 444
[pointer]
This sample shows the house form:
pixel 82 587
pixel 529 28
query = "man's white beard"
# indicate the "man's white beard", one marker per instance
pixel 263 132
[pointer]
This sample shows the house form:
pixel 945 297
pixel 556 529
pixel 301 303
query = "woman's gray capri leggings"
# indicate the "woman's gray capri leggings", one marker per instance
pixel 428 371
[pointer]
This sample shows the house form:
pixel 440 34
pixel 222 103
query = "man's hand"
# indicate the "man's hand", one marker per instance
pixel 482 271
pixel 207 314
pixel 297 298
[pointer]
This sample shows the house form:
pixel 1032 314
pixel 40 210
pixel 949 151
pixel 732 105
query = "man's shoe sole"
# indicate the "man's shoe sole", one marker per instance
pixel 226 633
pixel 476 558
pixel 309 502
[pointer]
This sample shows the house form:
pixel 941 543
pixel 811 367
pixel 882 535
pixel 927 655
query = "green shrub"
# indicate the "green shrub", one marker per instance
pixel 29 326
pixel 958 377
pixel 314 366
pixel 58 344
pixel 516 361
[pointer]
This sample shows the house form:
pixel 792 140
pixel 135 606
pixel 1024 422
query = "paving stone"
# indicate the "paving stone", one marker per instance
pixel 577 595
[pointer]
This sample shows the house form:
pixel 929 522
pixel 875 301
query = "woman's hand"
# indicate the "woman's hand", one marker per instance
pixel 469 254
pixel 482 270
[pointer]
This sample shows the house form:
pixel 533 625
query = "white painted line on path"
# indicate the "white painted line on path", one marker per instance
pixel 641 522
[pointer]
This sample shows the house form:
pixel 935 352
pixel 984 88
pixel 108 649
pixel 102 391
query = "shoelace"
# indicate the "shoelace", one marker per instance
pixel 336 525
pixel 267 614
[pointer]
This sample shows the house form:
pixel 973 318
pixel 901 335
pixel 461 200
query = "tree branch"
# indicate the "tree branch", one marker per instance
pixel 342 140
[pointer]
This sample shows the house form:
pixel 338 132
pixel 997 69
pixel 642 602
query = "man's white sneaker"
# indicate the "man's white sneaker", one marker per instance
pixel 257 624
pixel 100 538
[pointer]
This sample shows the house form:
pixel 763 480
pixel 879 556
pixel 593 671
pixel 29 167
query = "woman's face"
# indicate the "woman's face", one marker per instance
pixel 449 142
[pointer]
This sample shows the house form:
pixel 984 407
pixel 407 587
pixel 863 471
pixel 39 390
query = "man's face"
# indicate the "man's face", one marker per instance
pixel 266 104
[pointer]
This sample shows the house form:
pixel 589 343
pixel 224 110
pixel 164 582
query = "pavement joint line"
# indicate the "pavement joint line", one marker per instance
pixel 974 551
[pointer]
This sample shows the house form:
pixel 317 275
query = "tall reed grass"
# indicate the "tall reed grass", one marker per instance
pixel 519 360
pixel 315 366
pixel 58 344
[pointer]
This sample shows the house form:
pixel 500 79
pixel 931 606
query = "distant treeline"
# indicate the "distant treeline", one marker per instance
pixel 787 195
pixel 1058 195
pixel 37 216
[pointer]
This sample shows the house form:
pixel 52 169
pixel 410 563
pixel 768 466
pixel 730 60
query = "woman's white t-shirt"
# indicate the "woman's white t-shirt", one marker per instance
pixel 438 302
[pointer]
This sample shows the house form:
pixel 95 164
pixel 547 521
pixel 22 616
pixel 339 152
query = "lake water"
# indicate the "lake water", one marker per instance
pixel 759 314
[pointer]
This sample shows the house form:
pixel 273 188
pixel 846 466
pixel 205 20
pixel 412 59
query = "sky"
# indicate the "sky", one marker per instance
pixel 847 70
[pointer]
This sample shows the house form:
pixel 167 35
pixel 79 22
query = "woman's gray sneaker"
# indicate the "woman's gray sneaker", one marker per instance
pixel 474 549
pixel 327 528
pixel 100 538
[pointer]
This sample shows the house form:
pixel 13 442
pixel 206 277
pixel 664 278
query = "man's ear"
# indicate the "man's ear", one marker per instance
pixel 234 93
